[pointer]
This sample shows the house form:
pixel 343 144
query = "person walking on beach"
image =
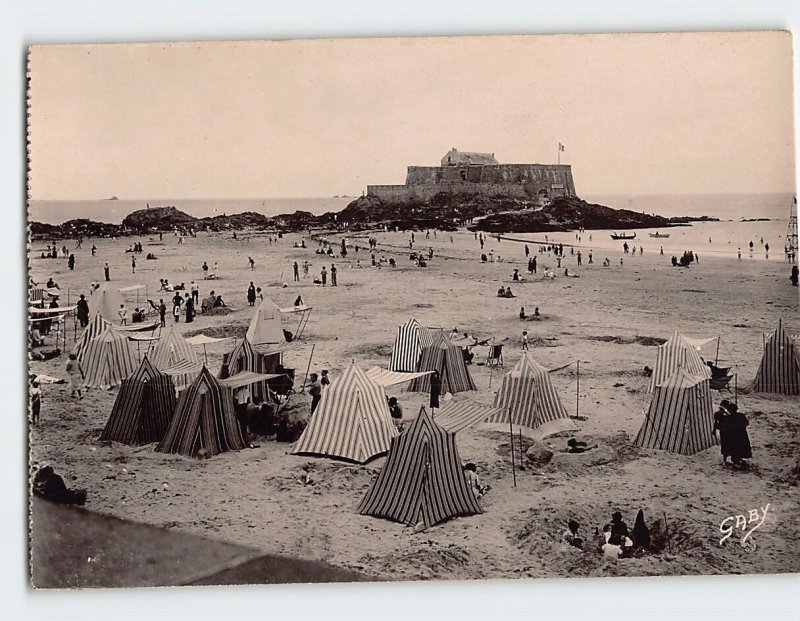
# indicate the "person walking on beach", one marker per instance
pixel 162 312
pixel 123 315
pixel 177 300
pixel 740 448
pixel 662 250
pixel 533 264
pixel 306 265
pixel 71 261
pixel 252 263
pixel 722 418
pixel 251 294
pixel 793 277
pixel 106 272
pixel 324 276
pixel 766 250
pixel 524 340
pixel 579 258
pixel 527 251
pixel 296 269
pixel 75 375
pixel 133 265
pixel 189 309
pixel 739 254
pixel 205 270
pixel 436 388
pixel 83 311
pixel 314 391
pixel 333 276
pixel 195 289
pixel 94 250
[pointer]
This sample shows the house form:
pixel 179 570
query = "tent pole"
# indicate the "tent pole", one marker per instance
pixel 578 391
pixel 308 368
pixel 716 357
pixel 491 369
pixel 205 353
pixel 513 459
pixel 736 389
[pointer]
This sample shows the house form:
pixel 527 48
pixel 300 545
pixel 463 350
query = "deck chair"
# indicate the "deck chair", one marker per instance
pixel 153 310
pixel 495 357
pixel 720 383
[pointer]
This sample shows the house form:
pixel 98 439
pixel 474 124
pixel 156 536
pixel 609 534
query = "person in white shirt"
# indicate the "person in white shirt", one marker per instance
pixel 123 315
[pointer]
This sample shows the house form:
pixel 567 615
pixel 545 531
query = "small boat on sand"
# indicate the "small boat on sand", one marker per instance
pixel 659 235
pixel 623 236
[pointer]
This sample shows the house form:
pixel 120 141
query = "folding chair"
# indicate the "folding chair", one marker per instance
pixel 495 356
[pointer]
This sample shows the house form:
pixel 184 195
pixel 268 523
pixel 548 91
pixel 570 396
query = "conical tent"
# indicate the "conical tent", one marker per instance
pixel 352 420
pixel 678 351
pixel 143 408
pixel 530 401
pixel 171 350
pixel 106 300
pixel 441 355
pixel 265 327
pixel 204 423
pixel 409 341
pixel 244 357
pixel 422 480
pixel 779 371
pixel 108 360
pixel 680 418
pixel 95 328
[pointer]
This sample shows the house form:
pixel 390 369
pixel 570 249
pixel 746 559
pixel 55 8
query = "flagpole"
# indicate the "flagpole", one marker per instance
pixel 559 154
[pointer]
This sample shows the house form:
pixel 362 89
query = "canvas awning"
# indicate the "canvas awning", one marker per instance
pixel 296 309
pixel 384 377
pixel 245 378
pixel 184 367
pixel 698 342
pixel 202 339
pixel 456 416
pixel 131 288
pixel 268 349
pixel 137 327
pixel 142 337
pixel 51 311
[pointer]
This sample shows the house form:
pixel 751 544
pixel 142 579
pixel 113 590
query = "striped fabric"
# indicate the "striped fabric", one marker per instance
pixel 244 357
pixel 106 301
pixel 245 378
pixel 411 338
pixel 143 408
pixel 779 371
pixel 171 350
pixel 680 418
pixel 390 378
pixel 265 327
pixel 183 373
pixel 422 480
pixel 35 295
pixel 94 329
pixel 677 352
pixel 204 423
pixel 445 357
pixel 457 416
pixel 107 360
pixel 351 422
pixel 530 401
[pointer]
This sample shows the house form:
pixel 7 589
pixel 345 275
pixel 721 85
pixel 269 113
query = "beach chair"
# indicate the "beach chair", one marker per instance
pixel 153 310
pixel 495 357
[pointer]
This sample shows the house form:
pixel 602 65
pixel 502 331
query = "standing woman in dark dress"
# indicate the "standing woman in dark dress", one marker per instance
pixel 436 389
pixel 739 438
pixel 722 419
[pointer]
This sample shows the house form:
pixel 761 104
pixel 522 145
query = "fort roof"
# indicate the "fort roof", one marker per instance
pixel 454 157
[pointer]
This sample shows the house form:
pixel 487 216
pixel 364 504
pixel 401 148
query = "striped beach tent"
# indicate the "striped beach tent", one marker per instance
pixel 422 480
pixel 108 359
pixel 441 355
pixel 351 422
pixel 456 416
pixel 204 423
pixel 244 357
pixel 530 401
pixel 94 329
pixel 172 349
pixel 411 338
pixel 143 408
pixel 265 327
pixel 678 351
pixel 680 418
pixel 779 371
pixel 106 300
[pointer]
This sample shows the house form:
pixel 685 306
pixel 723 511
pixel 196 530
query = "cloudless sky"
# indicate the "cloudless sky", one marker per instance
pixel 648 113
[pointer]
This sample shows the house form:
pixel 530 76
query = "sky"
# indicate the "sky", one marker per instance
pixel 638 114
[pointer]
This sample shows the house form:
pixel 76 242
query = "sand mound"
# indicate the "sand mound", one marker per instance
pixel 426 559
pixel 581 463
pixel 628 340
pixel 236 330
pixel 368 350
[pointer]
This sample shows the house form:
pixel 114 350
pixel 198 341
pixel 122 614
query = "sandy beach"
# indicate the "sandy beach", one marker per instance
pixel 607 318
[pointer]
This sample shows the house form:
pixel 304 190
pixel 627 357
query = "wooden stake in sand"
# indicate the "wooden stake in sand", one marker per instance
pixel 491 372
pixel 511 438
pixel 578 391
pixel 308 368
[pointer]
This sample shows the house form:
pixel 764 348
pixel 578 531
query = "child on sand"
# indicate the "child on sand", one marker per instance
pixel 524 340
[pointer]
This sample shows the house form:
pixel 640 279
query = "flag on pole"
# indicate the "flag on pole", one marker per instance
pixel 560 147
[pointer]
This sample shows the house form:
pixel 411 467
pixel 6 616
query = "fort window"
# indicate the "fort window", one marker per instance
pixel 463 172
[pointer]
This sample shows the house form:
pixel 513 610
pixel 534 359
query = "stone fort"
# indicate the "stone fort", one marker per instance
pixel 463 172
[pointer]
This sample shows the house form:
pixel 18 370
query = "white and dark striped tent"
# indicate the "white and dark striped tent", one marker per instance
pixel 94 329
pixel 409 342
pixel 265 327
pixel 530 402
pixel 680 418
pixel 244 357
pixel 678 351
pixel 204 423
pixel 422 480
pixel 171 350
pixel 351 422
pixel 779 371
pixel 108 359
pixel 143 408
pixel 441 355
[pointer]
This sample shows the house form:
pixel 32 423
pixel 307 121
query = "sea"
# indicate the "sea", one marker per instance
pixel 723 238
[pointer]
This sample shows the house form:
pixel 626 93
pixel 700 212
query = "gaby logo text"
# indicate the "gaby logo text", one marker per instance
pixel 747 524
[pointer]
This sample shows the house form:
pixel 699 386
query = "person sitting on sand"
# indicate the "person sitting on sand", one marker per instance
pixel 395 409
pixel 508 293
pixel 501 292
pixel 299 301
pixel 522 314
pixel 515 276
pixel 571 535
pixel 473 480
pixel 606 262
pixel 576 446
